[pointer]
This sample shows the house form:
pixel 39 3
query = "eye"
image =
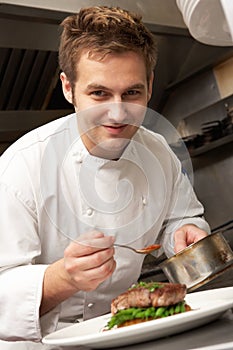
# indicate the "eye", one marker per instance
pixel 98 93
pixel 131 94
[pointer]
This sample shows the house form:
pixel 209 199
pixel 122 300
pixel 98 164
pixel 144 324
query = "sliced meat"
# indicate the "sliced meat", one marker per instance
pixel 150 294
pixel 135 297
pixel 169 294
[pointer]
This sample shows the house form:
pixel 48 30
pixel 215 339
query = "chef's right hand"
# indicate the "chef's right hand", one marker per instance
pixel 87 262
pixel 90 260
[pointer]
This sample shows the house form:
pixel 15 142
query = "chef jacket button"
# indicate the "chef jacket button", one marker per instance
pixel 90 305
pixel 144 201
pixel 79 159
pixel 89 211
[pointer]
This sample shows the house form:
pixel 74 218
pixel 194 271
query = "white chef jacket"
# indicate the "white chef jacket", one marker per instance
pixel 52 190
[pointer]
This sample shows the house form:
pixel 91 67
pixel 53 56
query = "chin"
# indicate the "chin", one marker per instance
pixel 110 148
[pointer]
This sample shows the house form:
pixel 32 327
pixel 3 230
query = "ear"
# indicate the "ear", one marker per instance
pixel 66 88
pixel 150 86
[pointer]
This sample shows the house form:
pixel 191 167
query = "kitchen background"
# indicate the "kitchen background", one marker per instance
pixel 193 86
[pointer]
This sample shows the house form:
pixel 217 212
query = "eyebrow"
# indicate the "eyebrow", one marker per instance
pixel 102 87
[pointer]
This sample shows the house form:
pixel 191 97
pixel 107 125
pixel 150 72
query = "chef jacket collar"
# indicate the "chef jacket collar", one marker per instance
pixel 81 154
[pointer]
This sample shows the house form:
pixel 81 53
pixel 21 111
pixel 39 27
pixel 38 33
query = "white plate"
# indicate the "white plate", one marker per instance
pixel 207 306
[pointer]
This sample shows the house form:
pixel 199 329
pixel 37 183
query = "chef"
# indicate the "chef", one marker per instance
pixel 73 187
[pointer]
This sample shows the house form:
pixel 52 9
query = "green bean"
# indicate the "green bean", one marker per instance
pixel 183 307
pixel 140 314
pixel 152 312
pixel 159 312
pixel 148 313
pixel 166 313
pixel 127 311
pixel 171 310
pixel 177 309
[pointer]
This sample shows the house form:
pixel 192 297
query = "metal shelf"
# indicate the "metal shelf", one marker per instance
pixel 211 145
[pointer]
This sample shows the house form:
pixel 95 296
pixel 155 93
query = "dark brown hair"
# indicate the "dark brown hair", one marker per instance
pixel 101 30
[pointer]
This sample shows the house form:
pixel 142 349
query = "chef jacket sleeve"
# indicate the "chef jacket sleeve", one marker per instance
pixel 184 207
pixel 21 280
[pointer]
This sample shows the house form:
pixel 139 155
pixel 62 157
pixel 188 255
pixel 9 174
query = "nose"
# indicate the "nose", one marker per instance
pixel 117 112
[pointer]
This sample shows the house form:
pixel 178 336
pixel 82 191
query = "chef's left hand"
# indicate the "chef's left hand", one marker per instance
pixel 187 235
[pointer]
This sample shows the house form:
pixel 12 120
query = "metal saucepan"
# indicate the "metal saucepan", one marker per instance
pixel 200 262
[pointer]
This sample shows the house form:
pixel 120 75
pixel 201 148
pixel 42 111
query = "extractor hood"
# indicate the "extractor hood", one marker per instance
pixel 29 74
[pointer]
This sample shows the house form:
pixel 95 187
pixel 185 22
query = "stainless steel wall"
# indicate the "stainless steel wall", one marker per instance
pixel 191 103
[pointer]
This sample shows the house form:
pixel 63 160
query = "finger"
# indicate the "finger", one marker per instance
pixel 97 243
pixel 187 235
pixel 101 272
pixel 89 245
pixel 95 282
pixel 95 239
pixel 180 240
pixel 90 279
pixel 199 235
pixel 94 260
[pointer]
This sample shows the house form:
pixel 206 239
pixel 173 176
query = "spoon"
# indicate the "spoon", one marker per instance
pixel 145 250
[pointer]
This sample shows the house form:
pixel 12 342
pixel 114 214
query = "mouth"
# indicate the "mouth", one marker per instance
pixel 115 129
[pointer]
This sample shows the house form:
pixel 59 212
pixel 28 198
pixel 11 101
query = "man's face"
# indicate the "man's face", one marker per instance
pixel 110 97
